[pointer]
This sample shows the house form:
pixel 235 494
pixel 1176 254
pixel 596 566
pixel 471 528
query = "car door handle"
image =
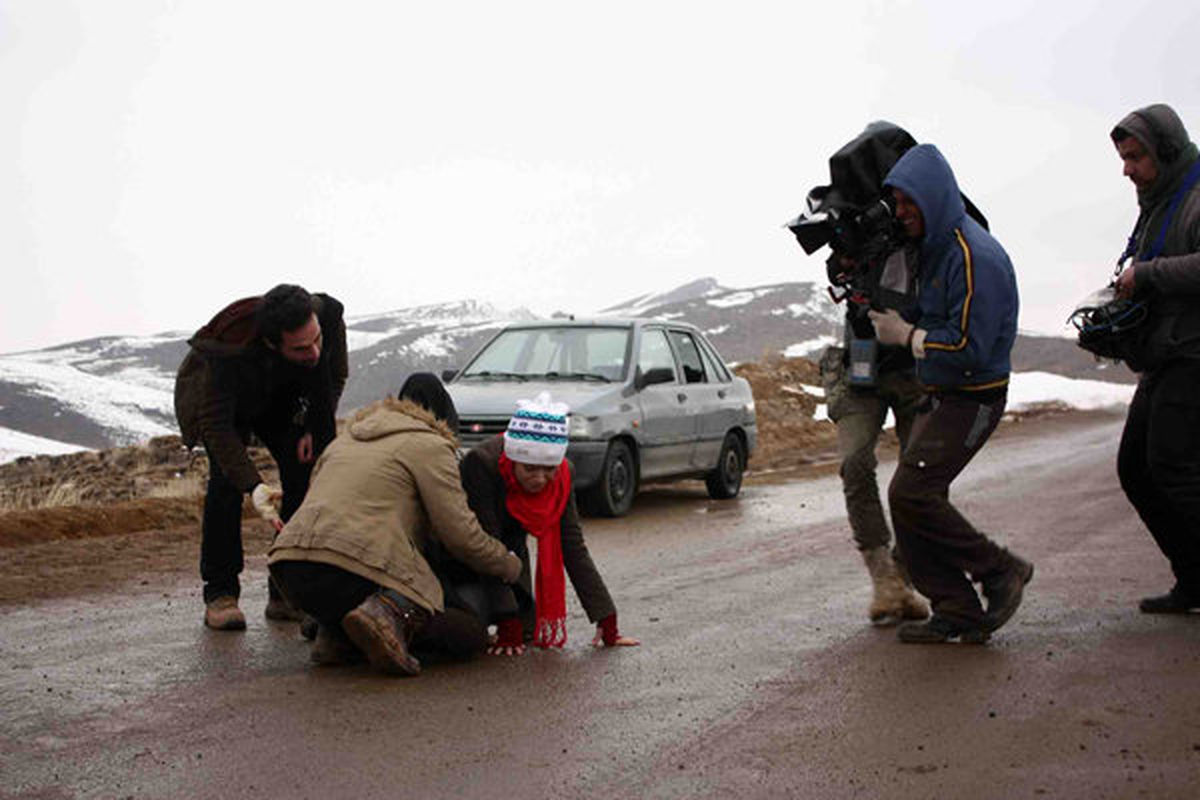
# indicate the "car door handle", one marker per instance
pixel 681 397
pixel 721 393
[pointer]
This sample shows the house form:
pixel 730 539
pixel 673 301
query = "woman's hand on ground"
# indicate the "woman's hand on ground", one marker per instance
pixel 500 650
pixel 620 641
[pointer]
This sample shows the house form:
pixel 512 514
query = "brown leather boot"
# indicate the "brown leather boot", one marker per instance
pixel 382 627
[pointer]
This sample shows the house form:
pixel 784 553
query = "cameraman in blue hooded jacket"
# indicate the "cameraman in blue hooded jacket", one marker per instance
pixel 961 341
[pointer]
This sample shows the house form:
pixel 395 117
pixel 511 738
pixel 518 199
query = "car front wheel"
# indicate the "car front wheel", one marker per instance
pixel 725 481
pixel 613 495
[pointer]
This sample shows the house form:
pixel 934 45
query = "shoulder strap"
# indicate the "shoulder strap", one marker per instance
pixel 1189 181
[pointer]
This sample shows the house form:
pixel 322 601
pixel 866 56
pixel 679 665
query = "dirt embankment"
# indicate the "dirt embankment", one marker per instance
pixel 154 485
pixel 788 435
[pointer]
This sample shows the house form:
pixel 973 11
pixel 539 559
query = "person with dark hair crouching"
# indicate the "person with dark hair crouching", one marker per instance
pixel 351 555
pixel 519 484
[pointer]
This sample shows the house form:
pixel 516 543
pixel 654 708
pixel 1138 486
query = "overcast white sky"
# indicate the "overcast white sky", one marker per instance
pixel 158 159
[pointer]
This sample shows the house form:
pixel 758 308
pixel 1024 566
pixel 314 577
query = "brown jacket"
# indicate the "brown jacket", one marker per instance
pixel 230 379
pixel 486 493
pixel 378 493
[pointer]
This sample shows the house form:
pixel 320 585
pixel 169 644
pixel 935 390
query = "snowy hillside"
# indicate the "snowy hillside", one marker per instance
pixel 112 391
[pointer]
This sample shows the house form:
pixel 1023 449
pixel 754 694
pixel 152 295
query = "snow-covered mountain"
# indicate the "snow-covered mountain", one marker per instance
pixel 118 390
pixel 115 390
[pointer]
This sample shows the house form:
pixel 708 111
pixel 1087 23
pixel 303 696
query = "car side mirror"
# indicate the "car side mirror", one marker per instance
pixel 448 375
pixel 654 376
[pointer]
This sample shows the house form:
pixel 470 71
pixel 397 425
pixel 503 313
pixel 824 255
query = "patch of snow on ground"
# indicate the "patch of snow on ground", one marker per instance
pixel 1029 388
pixel 361 340
pixel 809 346
pixel 14 444
pixel 730 300
pixel 432 345
pixel 815 391
pixel 717 331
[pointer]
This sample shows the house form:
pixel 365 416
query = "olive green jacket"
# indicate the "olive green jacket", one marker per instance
pixel 378 493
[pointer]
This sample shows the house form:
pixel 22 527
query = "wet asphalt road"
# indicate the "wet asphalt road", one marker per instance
pixel 758 675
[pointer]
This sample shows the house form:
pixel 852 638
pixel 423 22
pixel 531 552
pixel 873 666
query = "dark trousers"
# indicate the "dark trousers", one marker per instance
pixel 1159 466
pixel 943 551
pixel 322 591
pixel 221 558
pixel 328 593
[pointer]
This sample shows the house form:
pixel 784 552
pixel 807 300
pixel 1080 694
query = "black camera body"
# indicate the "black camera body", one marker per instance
pixel 855 216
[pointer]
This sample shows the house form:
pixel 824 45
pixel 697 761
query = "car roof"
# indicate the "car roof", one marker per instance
pixel 603 322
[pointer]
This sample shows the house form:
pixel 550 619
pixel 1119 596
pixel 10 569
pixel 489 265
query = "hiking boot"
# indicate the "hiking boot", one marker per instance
pixel 223 614
pixel 1003 591
pixel 914 606
pixel 332 648
pixel 278 608
pixel 1173 602
pixel 938 630
pixel 382 627
pixel 894 599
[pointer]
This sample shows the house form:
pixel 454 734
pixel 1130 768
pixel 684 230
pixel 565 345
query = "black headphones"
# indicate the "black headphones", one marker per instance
pixel 1164 149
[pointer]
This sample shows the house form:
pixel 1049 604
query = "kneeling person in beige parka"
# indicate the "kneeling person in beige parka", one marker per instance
pixel 351 555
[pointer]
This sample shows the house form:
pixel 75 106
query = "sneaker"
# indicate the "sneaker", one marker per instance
pixel 223 614
pixel 1173 602
pixel 1003 591
pixel 938 630
pixel 332 648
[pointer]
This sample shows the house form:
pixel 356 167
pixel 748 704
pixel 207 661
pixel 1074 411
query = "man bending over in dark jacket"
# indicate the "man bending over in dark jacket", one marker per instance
pixel 274 366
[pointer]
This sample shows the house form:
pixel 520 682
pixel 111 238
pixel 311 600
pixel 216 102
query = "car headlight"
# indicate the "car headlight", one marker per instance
pixel 581 427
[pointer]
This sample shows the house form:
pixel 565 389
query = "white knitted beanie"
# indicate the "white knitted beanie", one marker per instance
pixel 537 433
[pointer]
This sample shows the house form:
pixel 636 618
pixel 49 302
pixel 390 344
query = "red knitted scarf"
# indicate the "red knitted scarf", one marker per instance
pixel 541 514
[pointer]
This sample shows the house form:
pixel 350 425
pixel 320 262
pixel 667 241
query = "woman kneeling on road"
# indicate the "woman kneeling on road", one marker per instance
pixel 518 483
pixel 351 554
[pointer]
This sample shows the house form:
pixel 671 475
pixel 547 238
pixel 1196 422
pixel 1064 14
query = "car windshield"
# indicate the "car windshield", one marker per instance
pixel 568 353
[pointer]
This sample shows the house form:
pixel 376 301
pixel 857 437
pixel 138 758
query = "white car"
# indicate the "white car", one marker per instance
pixel 650 400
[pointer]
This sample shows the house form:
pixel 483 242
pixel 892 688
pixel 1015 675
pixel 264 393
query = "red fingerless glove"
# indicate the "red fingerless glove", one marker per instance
pixel 510 633
pixel 608 629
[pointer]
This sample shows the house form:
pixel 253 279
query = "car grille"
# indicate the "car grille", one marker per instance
pixel 473 430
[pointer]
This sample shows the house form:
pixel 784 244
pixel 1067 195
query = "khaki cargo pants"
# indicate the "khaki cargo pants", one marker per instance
pixel 859 415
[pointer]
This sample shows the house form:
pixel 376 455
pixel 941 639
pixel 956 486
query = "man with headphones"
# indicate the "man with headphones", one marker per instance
pixel 1159 457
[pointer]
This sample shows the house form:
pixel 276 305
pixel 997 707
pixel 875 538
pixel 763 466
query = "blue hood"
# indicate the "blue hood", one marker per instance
pixel 923 174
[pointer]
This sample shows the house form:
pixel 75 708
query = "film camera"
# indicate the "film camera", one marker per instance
pixel 869 265
pixel 856 218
